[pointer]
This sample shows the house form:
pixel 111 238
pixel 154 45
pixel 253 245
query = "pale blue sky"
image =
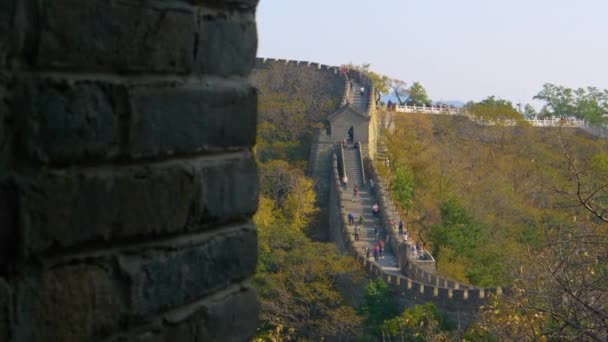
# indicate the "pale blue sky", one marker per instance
pixel 458 49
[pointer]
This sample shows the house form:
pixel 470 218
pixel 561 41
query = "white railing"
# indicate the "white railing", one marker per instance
pixel 552 122
pixel 427 110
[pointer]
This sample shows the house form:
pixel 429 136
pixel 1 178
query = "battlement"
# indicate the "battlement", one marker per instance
pixel 351 74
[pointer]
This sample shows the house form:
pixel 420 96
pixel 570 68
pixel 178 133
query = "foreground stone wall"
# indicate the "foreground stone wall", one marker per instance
pixel 127 180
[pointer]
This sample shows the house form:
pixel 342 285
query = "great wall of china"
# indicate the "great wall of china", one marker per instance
pixel 414 280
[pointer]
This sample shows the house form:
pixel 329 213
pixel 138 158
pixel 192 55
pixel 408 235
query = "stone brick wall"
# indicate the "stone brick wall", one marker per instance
pixel 127 179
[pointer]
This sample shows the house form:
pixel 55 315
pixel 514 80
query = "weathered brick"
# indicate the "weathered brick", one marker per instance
pixel 224 319
pixel 75 122
pixel 4 115
pixel 160 282
pixel 70 303
pixel 191 118
pixel 70 121
pixel 122 36
pixel 8 222
pixel 6 17
pixel 68 207
pixel 5 304
pixel 226 45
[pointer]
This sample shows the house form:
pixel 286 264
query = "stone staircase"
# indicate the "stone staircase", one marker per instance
pixel 356 100
pixel 352 166
pixel 362 206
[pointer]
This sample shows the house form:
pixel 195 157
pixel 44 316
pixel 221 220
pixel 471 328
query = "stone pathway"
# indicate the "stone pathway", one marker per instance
pixel 356 100
pixel 362 206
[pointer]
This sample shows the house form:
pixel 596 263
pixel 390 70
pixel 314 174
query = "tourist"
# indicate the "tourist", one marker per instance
pixel 376 252
pixel 367 252
pixel 356 234
pixel 345 181
pixel 371 184
pixel 359 222
pixel 375 209
pixel 355 193
pixel 362 90
pixel 351 219
pixel 381 248
pixel 401 226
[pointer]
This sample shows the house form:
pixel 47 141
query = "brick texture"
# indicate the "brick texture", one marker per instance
pixel 127 175
pixel 214 56
pixel 77 122
pixel 175 278
pixel 5 321
pixel 64 208
pixel 224 319
pixel 71 303
pixel 186 119
pixel 123 36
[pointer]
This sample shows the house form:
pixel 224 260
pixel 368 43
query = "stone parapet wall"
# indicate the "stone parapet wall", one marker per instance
pixel 444 293
pixel 127 177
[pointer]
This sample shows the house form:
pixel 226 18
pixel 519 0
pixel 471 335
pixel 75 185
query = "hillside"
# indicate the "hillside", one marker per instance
pixel 291 100
pixel 484 194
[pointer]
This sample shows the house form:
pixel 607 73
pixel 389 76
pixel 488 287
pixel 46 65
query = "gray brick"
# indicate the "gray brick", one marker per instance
pixel 69 121
pixel 226 45
pixel 68 207
pixel 6 16
pixel 5 304
pixel 5 136
pixel 171 279
pixel 225 319
pixel 192 118
pixel 125 36
pixel 8 222
pixel 76 122
pixel 70 303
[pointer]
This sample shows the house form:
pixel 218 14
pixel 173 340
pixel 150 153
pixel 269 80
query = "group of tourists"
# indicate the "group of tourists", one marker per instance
pixel 418 251
pixel 377 251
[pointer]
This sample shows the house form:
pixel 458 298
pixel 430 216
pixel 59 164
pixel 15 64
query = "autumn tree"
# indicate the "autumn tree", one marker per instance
pixel 296 277
pixel 418 323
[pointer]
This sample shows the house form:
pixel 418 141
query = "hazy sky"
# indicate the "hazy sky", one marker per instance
pixel 457 49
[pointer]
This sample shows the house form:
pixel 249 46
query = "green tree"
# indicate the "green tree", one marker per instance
pixel 591 104
pixel 380 83
pixel 403 187
pixel 418 95
pixel 559 101
pixel 529 111
pixel 379 305
pixel 493 110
